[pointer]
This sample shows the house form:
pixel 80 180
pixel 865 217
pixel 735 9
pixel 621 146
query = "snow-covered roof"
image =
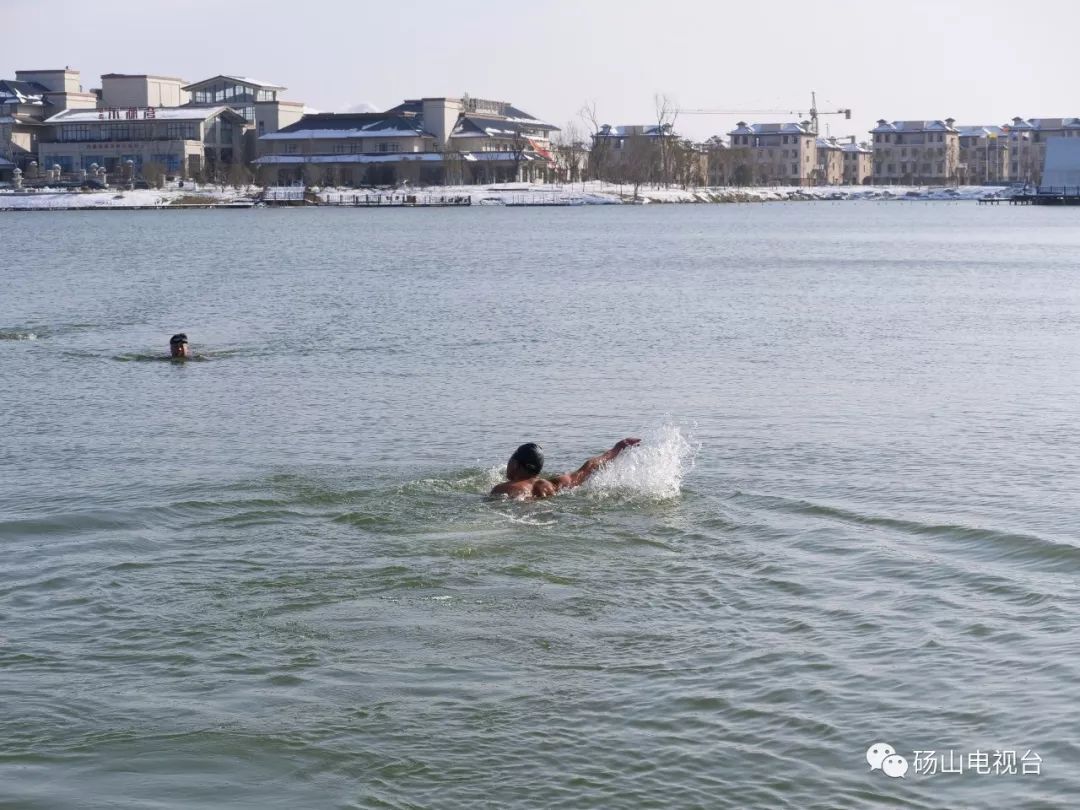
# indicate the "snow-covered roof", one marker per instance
pixel 6 164
pixel 24 120
pixel 393 157
pixel 338 134
pixel 510 114
pixel 857 147
pixel 471 126
pixel 1044 124
pixel 22 92
pixel 487 156
pixel 629 131
pixel 981 131
pixel 238 80
pixel 913 126
pixel 159 114
pixel 277 160
pixel 788 128
pixel 825 143
pixel 348 126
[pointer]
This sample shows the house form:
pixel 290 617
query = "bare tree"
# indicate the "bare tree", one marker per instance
pixel 570 153
pixel 689 164
pixel 666 113
pixel 519 145
pixel 267 175
pixel 238 175
pixel 312 174
pixel 601 145
pixel 453 167
pixel 154 174
pixel 641 161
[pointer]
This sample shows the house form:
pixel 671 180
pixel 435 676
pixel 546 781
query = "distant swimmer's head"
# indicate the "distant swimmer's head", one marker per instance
pixel 178 345
pixel 526 462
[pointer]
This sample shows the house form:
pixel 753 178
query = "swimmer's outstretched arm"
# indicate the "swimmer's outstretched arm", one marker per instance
pixel 576 478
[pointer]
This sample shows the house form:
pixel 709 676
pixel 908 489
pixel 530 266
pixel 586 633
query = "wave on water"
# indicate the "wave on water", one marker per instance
pixel 992 542
pixel 144 358
pixel 654 470
pixel 17 334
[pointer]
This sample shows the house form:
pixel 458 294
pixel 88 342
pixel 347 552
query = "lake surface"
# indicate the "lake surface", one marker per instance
pixel 269 578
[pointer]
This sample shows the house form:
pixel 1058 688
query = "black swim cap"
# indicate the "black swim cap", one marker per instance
pixel 180 337
pixel 530 456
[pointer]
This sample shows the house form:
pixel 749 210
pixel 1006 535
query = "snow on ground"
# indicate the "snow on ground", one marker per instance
pixel 597 193
pixel 47 198
pixel 590 193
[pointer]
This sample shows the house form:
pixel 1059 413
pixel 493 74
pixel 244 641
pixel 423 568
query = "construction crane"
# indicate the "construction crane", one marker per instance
pixel 814 113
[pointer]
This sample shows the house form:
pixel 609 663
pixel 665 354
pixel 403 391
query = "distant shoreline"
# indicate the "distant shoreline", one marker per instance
pixel 506 195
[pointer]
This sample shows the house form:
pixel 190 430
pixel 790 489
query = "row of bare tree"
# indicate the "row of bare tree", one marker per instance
pixel 658 157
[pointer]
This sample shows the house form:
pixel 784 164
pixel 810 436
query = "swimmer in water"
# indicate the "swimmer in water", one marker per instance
pixel 523 472
pixel 178 347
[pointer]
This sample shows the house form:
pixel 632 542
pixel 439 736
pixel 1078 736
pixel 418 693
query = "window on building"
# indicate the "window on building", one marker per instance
pixel 290 148
pixel 180 131
pixel 339 149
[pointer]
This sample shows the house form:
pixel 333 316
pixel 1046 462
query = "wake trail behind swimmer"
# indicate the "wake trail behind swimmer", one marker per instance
pixel 523 472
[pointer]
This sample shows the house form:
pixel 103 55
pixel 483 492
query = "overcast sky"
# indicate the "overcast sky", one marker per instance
pixel 979 62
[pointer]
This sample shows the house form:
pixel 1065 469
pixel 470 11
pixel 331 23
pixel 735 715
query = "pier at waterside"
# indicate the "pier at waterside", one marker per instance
pixel 301 196
pixel 1049 195
pixel 298 195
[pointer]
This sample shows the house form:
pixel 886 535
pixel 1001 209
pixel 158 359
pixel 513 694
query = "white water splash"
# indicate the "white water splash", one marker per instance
pixel 654 469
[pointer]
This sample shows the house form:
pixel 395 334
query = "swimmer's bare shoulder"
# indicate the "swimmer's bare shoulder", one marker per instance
pixel 532 489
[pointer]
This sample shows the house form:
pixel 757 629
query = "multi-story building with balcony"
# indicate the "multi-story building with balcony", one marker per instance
pixel 631 152
pixel 830 167
pixel 774 154
pixel 858 162
pixel 1027 144
pixel 984 154
pixel 916 152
